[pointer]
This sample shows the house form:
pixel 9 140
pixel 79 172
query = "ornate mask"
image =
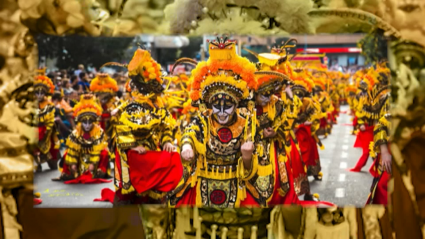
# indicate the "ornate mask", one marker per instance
pixel 87 124
pixel 223 110
pixel 263 99
pixel 40 95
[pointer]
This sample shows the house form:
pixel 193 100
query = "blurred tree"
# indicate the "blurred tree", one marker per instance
pixel 73 50
pixel 374 46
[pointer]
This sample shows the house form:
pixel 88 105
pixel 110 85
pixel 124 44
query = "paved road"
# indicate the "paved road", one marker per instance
pixel 58 194
pixel 338 185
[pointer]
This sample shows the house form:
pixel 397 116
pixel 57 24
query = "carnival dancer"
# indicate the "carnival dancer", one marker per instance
pixel 379 150
pixel 48 144
pixel 146 168
pixel 217 148
pixel 87 157
pixel 309 113
pixel 364 120
pixel 320 94
pixel 279 62
pixel 105 88
pixel 335 98
pixel 351 92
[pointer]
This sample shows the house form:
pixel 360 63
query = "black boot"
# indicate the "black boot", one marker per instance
pixel 53 164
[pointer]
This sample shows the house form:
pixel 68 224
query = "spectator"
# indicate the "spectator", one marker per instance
pixel 74 80
pixel 79 70
pixel 84 83
pixel 67 87
pixel 61 118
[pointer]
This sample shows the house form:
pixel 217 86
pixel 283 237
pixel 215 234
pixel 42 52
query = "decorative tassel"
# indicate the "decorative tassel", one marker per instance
pixel 214 231
pixel 265 170
pixel 199 229
pixel 254 230
pixel 224 233
pixel 240 233
pixel 198 194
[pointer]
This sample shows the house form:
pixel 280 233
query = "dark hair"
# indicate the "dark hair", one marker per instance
pixel 119 94
pixel 76 87
pixel 74 78
pixel 57 96
pixel 82 74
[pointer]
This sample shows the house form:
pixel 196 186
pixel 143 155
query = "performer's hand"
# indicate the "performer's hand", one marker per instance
pixel 247 149
pixel 362 128
pixel 386 158
pixel 74 167
pixel 329 122
pixel 307 123
pixel 91 167
pixel 386 161
pixel 168 147
pixel 269 132
pixel 187 152
pixel 114 112
pixel 139 149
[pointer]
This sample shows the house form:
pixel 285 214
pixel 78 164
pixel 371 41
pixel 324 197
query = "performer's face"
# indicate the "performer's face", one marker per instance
pixel 263 99
pixel 383 79
pixel 87 125
pixel 40 95
pixel 223 110
pixel 104 97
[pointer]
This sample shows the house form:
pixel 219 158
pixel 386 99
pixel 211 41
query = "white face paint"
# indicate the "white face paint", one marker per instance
pixel 262 100
pixel 87 125
pixel 223 111
pixel 39 95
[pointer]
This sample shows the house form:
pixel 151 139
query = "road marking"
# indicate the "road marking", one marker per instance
pixel 341 177
pixel 343 165
pixel 345 147
pixel 340 192
pixel 344 155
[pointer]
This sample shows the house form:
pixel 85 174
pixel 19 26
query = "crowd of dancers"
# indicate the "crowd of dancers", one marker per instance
pixel 233 133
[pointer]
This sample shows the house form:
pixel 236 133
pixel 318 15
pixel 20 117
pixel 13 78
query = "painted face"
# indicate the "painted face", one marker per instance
pixel 262 99
pixel 87 124
pixel 104 97
pixel 223 110
pixel 40 95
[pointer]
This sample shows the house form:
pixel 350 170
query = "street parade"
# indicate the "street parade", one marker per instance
pixel 230 133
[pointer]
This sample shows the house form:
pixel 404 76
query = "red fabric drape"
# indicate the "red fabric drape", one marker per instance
pixel 41 134
pixel 157 170
pixel 87 177
pixel 364 138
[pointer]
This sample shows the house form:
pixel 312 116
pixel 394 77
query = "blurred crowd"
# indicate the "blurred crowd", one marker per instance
pixel 70 84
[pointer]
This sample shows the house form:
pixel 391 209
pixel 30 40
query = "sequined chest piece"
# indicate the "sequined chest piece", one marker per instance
pixel 219 184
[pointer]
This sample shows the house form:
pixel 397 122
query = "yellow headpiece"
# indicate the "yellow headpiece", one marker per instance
pixel 103 83
pixel 87 107
pixel 44 83
pixel 225 74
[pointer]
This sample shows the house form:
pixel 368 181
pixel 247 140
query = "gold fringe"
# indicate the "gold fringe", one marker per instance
pixel 198 194
pixel 265 170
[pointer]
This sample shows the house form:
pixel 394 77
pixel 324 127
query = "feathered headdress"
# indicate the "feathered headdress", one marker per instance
pixel 269 82
pixel 225 74
pixel 144 72
pixel 103 83
pixel 382 73
pixel 87 108
pixel 320 79
pixel 42 82
pixel 303 81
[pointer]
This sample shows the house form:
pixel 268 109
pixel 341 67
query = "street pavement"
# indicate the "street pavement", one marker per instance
pixel 337 186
